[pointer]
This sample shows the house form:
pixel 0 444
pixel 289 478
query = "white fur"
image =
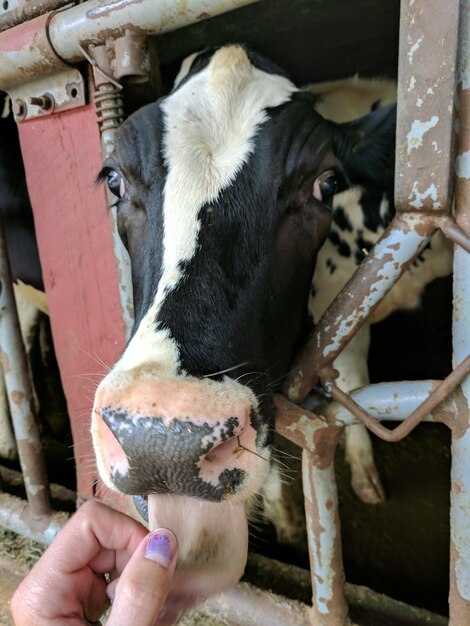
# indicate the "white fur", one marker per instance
pixel 210 126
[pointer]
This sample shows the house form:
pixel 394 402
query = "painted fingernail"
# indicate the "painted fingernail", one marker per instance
pixel 161 547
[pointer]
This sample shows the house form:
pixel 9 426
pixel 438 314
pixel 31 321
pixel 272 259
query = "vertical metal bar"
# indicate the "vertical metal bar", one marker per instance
pixel 19 392
pixel 426 82
pixel 459 598
pixel 329 607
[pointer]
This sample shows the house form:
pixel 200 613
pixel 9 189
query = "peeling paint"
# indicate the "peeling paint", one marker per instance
pixel 394 251
pixel 460 512
pixel 34 489
pixel 414 48
pixel 418 130
pixel 320 489
pixel 419 197
pixel 412 83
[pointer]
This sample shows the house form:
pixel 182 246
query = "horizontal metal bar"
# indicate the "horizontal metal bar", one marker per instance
pixel 16 515
pixel 411 421
pixel 28 11
pixel 293 581
pixel 42 45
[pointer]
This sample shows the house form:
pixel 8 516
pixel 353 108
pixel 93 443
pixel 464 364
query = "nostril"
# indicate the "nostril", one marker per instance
pixel 223 450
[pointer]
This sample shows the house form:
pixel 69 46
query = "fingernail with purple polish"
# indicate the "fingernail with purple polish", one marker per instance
pixel 161 547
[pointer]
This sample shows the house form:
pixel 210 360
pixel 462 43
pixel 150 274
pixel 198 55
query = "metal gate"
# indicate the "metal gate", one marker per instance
pixel 433 152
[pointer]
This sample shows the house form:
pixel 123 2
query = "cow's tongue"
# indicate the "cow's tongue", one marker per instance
pixel 213 544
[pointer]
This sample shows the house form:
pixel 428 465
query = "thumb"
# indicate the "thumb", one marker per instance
pixel 142 588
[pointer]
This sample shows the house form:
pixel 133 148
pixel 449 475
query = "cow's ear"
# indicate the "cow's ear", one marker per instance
pixel 366 147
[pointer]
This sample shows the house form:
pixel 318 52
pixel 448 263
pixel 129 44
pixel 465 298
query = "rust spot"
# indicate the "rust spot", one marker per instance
pixel 5 362
pixel 325 441
pixel 329 504
pixel 17 396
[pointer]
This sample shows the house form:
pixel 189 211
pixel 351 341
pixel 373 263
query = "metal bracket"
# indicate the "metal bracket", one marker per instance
pixel 8 5
pixel 44 96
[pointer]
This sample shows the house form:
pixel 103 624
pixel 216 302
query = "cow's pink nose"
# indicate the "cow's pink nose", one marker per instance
pixel 181 436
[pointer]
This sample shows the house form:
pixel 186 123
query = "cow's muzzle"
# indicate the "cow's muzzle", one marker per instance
pixel 180 436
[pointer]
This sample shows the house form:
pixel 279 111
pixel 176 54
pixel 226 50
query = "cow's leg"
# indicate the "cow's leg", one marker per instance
pixel 352 366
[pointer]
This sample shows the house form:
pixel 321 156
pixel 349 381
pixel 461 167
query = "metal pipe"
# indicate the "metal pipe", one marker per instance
pixel 426 83
pixel 400 243
pixel 319 441
pixel 329 606
pixel 439 393
pixel 16 515
pixel 28 11
pixel 459 597
pixel 20 397
pixel 391 401
pixel 68 32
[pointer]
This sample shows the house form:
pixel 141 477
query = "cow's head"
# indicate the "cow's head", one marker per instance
pixel 224 189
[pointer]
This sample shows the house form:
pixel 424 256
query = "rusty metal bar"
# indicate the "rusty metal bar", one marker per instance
pixel 411 421
pixel 319 441
pixel 423 182
pixel 15 515
pixel 451 229
pixel 393 401
pixel 294 582
pixel 426 86
pixel 459 597
pixel 41 46
pixel 19 392
pixel 400 243
pixel 28 11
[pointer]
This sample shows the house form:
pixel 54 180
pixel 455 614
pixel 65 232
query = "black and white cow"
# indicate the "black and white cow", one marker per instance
pixel 224 190
pixel 360 215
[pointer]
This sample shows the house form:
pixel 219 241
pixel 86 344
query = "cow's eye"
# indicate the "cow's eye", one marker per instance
pixel 325 186
pixel 116 184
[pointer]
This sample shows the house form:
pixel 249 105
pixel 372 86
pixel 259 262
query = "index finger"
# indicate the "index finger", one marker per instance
pixel 93 537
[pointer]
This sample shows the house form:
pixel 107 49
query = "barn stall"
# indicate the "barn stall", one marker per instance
pixel 73 73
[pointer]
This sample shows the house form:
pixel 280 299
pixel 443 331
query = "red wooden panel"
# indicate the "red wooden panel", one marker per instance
pixel 62 157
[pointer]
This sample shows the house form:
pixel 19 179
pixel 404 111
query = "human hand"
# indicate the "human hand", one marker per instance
pixel 67 586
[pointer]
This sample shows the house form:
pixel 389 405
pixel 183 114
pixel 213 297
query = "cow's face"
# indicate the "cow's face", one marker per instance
pixel 223 191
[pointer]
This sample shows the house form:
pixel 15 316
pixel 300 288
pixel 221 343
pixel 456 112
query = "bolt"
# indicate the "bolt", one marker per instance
pixel 44 102
pixel 19 109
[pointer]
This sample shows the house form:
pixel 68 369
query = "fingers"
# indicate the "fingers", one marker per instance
pixel 143 586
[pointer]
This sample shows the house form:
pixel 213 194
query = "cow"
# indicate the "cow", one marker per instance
pixel 223 195
pixel 360 215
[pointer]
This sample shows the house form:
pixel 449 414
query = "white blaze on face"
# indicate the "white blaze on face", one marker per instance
pixel 210 127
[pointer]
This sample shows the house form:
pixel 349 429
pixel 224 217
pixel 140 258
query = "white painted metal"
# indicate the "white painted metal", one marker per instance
pixel 95 20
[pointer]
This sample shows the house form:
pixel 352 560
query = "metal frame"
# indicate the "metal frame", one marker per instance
pixel 424 182
pixel 423 195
